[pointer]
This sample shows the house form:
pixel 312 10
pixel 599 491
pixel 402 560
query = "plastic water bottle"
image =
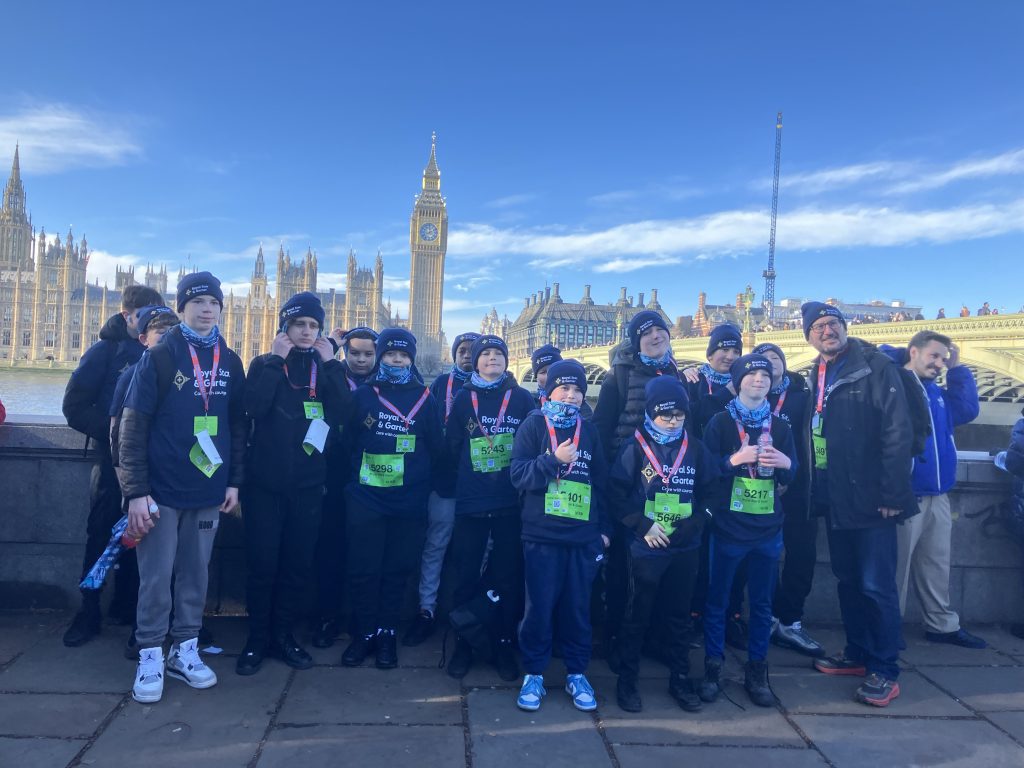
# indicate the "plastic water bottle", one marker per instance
pixel 764 441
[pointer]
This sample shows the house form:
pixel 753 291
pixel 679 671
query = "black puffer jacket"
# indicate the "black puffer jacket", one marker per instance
pixel 868 435
pixel 620 406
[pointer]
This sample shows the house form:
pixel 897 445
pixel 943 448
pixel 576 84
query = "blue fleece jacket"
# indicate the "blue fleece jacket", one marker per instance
pixel 634 489
pixel 723 440
pixel 949 407
pixel 478 488
pixel 534 469
pixel 375 437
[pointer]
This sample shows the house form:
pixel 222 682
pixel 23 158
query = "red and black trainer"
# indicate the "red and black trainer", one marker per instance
pixel 840 665
pixel 877 691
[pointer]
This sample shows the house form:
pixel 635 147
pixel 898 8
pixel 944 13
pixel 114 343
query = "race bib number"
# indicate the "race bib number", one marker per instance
pixel 666 510
pixel 820 452
pixel 314 410
pixel 568 499
pixel 382 470
pixel 405 443
pixel 200 456
pixel 752 496
pixel 490 457
pixel 205 424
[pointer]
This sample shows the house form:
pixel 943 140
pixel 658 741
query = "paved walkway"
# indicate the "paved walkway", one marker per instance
pixel 69 707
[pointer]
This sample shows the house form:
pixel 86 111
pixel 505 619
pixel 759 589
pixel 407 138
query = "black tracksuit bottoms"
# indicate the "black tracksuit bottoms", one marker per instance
pixel 504 571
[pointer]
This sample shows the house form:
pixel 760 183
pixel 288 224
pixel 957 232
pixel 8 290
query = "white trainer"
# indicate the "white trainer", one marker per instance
pixel 149 677
pixel 184 663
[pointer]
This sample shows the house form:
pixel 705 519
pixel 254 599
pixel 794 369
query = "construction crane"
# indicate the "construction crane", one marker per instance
pixel 769 274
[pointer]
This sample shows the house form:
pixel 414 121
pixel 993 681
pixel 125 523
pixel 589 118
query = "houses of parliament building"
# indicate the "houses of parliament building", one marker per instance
pixel 50 313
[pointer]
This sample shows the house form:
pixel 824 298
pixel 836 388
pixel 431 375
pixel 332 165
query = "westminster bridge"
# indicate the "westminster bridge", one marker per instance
pixel 992 347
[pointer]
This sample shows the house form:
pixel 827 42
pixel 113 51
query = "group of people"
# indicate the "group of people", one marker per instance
pixel 661 508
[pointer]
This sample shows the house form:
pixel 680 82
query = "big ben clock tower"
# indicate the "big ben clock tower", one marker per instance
pixel 428 242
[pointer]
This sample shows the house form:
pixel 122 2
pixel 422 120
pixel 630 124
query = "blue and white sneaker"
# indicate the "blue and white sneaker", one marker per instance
pixel 582 693
pixel 531 693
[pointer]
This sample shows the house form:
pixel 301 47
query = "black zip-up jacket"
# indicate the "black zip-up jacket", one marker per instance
pixel 619 412
pixel 868 436
pixel 91 387
pixel 706 399
pixel 477 492
pixel 796 411
pixel 633 482
pixel 276 460
pixel 444 475
pixel 337 456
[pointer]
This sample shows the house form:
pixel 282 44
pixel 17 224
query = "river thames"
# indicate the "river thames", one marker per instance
pixel 32 392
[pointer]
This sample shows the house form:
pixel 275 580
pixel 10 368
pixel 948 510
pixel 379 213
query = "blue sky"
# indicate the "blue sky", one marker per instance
pixel 604 143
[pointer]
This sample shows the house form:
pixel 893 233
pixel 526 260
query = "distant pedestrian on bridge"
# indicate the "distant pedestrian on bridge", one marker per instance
pixel 964 311
pixel 984 310
pixel 941 315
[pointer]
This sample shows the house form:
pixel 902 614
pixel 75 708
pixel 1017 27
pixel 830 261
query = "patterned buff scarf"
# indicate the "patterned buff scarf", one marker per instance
pixel 721 379
pixel 657 362
pixel 753 419
pixel 661 436
pixel 459 375
pixel 200 342
pixel 562 415
pixel 394 374
pixel 783 386
pixel 480 382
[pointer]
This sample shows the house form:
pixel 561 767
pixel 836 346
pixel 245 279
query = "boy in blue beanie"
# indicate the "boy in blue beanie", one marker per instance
pixel 295 397
pixel 441 503
pixel 746 521
pixel 558 467
pixel 487 413
pixel 396 445
pixel 661 483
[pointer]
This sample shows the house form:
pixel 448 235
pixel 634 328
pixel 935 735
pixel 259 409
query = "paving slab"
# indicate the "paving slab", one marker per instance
pixel 341 696
pixel 807 691
pixel 999 637
pixel 1011 722
pixel 329 746
pixel 663 722
pixel 920 651
pixel 855 742
pixel 556 735
pixel 37 753
pixel 96 667
pixel 218 727
pixel 715 757
pixel 831 637
pixel 21 631
pixel 987 689
pixel 75 715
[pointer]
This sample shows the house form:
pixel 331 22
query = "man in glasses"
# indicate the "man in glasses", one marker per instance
pixel 860 440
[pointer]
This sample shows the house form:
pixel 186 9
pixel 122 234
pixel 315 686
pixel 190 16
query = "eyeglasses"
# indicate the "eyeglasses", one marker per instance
pixel 831 325
pixel 672 417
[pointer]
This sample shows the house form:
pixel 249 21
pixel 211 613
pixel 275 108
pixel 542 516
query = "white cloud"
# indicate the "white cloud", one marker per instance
pixel 738 231
pixel 1006 164
pixel 58 137
pixel 511 201
pixel 831 178
pixel 631 265
pixel 103 266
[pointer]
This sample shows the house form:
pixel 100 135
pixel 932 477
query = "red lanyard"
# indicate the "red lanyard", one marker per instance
pixel 655 464
pixel 821 386
pixel 448 397
pixel 415 409
pixel 765 428
pixel 501 415
pixel 543 398
pixel 554 443
pixel 200 382
pixel 778 405
pixel 312 379
pixel 351 384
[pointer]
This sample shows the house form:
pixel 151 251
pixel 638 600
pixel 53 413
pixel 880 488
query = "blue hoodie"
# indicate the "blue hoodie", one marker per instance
pixel 949 407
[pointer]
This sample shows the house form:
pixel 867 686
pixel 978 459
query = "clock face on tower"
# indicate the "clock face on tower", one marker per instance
pixel 428 232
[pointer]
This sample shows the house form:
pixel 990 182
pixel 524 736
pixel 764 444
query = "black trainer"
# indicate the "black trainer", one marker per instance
pixel 755 681
pixel 711 685
pixel 736 635
pixel 420 629
pixel 358 650
pixel 505 661
pixel 285 648
pixel 326 633
pixel 84 627
pixel 627 695
pixel 387 649
pixel 684 691
pixel 461 660
pixel 251 660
